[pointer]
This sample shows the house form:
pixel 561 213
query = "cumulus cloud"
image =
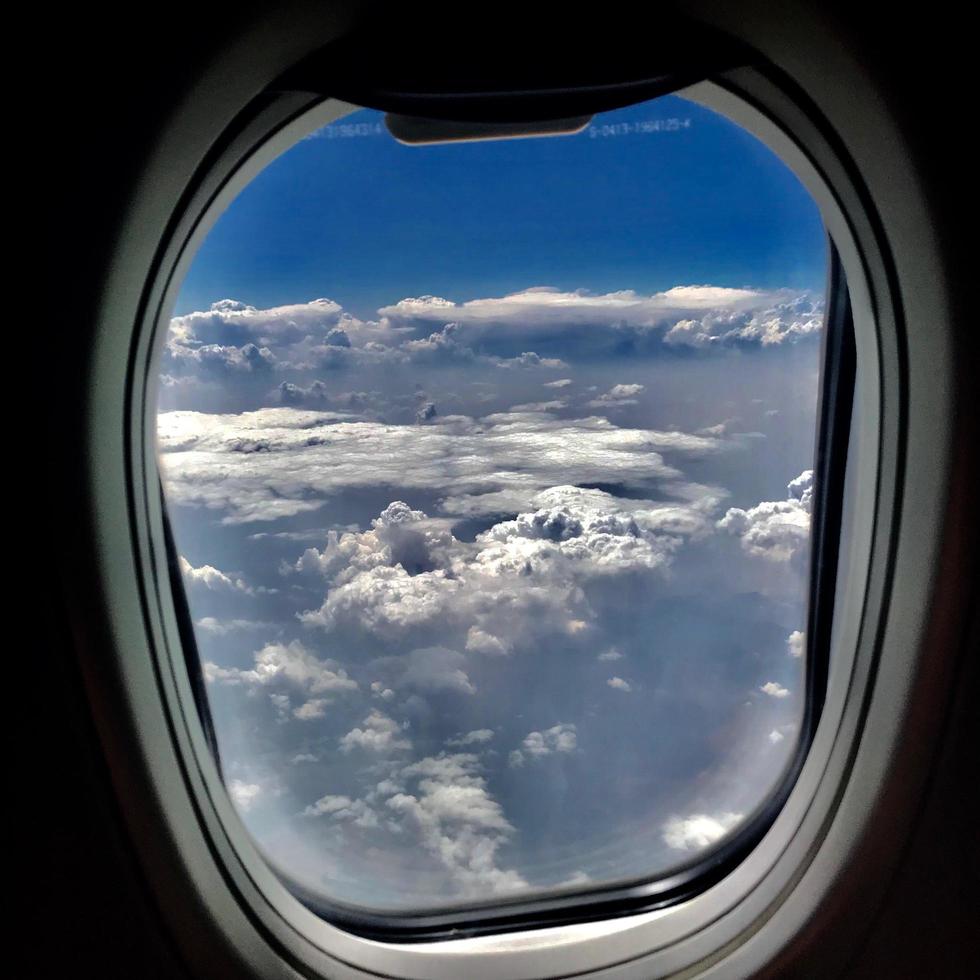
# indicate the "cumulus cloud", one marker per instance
pixel 491 545
pixel 778 320
pixel 515 582
pixel 312 710
pixel 443 806
pixel 316 394
pixel 213 579
pixel 477 737
pixel 530 359
pixel 561 739
pixel 293 394
pixel 293 668
pixel 801 489
pixel 796 644
pixel 244 795
pixel 279 462
pixel 429 670
pixel 379 690
pixel 480 641
pixel 343 808
pixel 233 322
pixel 618 395
pixel 442 344
pixel 777 530
pixel 436 669
pixel 694 316
pixel 554 405
pixel 378 734
pixel 399 536
pixel 457 821
pixel 698 831
pixel 235 338
pixel 216 361
pixel 774 690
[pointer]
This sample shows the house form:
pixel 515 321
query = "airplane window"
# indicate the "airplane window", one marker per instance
pixel 489 468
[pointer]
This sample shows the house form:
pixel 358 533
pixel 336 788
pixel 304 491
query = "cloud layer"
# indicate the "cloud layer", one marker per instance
pixel 509 619
pixel 232 339
pixel 279 462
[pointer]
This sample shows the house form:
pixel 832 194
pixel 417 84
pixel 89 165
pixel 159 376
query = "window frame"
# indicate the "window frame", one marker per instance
pixel 686 879
pixel 173 746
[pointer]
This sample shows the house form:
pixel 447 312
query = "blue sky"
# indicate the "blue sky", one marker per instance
pixel 490 470
pixel 714 205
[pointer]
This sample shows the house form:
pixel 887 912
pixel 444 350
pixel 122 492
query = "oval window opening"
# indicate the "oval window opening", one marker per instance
pixel 489 466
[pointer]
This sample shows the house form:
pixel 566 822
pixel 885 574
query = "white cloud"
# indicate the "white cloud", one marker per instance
pixel 610 655
pixel 379 734
pixel 777 320
pixel 303 330
pixel 388 602
pixel 801 489
pixel 774 690
pixel 312 709
pixel 216 362
pixel 212 579
pixel 560 383
pixel 400 536
pixel 561 738
pixel 530 359
pixel 777 530
pixel 796 643
pixel 553 406
pixel 214 674
pixel 291 664
pixel 457 821
pixel 776 736
pixel 279 462
pixel 698 831
pixel 477 737
pixel 516 581
pixel 327 805
pixel 244 795
pixel 435 669
pixel 343 808
pixel 378 690
pixel 698 316
pixel 282 703
pixel 621 394
pixel 480 641
pixel 618 684
pixel 222 627
pixel 235 338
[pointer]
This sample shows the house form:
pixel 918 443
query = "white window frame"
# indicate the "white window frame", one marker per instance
pixel 191 841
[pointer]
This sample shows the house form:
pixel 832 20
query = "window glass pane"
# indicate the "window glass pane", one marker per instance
pixel 489 466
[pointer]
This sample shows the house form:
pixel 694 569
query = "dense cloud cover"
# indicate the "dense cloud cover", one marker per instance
pixel 519 331
pixel 497 557
pixel 499 595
